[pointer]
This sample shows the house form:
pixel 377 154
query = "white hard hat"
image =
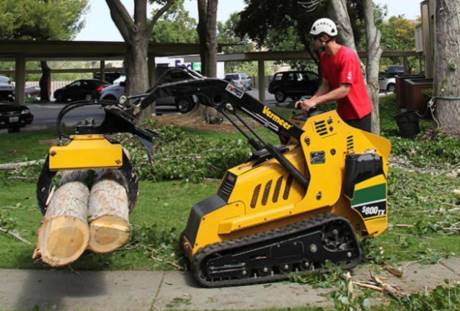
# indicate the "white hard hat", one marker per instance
pixel 324 25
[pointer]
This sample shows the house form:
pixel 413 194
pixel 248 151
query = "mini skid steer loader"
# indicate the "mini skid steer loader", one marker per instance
pixel 289 208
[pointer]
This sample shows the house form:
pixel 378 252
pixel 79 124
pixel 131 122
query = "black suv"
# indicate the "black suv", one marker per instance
pixel 293 84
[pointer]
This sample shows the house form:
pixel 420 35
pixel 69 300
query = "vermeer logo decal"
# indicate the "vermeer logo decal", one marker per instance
pixel 268 113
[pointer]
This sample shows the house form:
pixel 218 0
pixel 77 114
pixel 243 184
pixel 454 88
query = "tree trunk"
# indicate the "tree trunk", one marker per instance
pixel 340 15
pixel 211 39
pixel 108 213
pixel 201 29
pixel 136 32
pixel 64 233
pixel 446 65
pixel 137 70
pixel 45 82
pixel 374 53
pixel 207 29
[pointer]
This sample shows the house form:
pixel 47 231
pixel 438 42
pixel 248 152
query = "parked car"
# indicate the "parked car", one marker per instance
pixel 80 90
pixel 240 79
pixel 110 77
pixel 6 89
pixel 387 84
pixel 113 92
pixel 394 70
pixel 387 79
pixel 182 104
pixel 13 117
pixel 293 84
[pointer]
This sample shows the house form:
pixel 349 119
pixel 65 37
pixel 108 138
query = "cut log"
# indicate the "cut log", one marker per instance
pixel 108 214
pixel 64 233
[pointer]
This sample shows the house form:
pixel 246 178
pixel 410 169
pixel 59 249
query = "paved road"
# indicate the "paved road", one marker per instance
pixel 147 290
pixel 45 115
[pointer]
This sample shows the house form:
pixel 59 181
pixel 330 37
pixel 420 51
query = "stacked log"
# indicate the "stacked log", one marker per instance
pixel 65 232
pixel 108 214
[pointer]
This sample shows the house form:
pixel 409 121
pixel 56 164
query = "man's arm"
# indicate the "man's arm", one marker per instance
pixel 323 89
pixel 334 95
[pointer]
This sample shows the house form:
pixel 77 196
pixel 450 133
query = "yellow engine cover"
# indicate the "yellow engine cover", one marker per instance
pixel 84 152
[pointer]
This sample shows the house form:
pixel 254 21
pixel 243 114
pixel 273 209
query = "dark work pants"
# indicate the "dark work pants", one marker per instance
pixel 362 124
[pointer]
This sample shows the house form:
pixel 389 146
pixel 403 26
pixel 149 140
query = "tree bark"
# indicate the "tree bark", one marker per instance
pixel 374 53
pixel 446 65
pixel 45 82
pixel 136 32
pixel 340 15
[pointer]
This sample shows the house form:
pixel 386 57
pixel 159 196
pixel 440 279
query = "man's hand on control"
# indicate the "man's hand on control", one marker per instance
pixel 306 104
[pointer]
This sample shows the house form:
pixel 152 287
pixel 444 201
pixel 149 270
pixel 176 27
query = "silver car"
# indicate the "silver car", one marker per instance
pixel 181 104
pixel 387 84
pixel 6 89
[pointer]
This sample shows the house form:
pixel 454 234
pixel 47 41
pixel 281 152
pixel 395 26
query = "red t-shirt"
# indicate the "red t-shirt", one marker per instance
pixel 344 68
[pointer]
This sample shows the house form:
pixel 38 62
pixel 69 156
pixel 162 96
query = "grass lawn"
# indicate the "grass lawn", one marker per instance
pixel 419 200
pixel 424 204
pixel 25 145
pixel 159 217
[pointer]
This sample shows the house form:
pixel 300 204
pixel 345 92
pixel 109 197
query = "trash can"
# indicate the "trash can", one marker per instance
pixel 408 123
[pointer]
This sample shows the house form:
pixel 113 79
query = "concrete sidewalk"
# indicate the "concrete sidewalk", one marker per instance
pixel 144 290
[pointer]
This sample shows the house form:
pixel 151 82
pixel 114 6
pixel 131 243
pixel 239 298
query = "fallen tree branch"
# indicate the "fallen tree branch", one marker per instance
pixel 367 285
pixel 15 235
pixel 404 226
pixel 394 271
pixel 16 165
pixel 388 288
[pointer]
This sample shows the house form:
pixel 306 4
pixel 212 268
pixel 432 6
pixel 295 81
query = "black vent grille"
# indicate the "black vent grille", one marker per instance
pixel 255 196
pixel 227 186
pixel 288 187
pixel 321 128
pixel 350 144
pixel 276 193
pixel 268 186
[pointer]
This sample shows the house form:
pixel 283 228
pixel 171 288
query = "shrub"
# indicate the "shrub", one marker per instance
pixel 179 155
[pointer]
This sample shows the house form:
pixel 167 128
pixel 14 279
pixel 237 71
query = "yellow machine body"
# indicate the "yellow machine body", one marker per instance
pixel 86 151
pixel 256 197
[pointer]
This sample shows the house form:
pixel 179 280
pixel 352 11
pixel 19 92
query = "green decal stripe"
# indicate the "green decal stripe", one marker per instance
pixel 369 194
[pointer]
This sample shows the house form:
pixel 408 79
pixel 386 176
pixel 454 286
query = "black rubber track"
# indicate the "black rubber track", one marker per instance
pixel 271 238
